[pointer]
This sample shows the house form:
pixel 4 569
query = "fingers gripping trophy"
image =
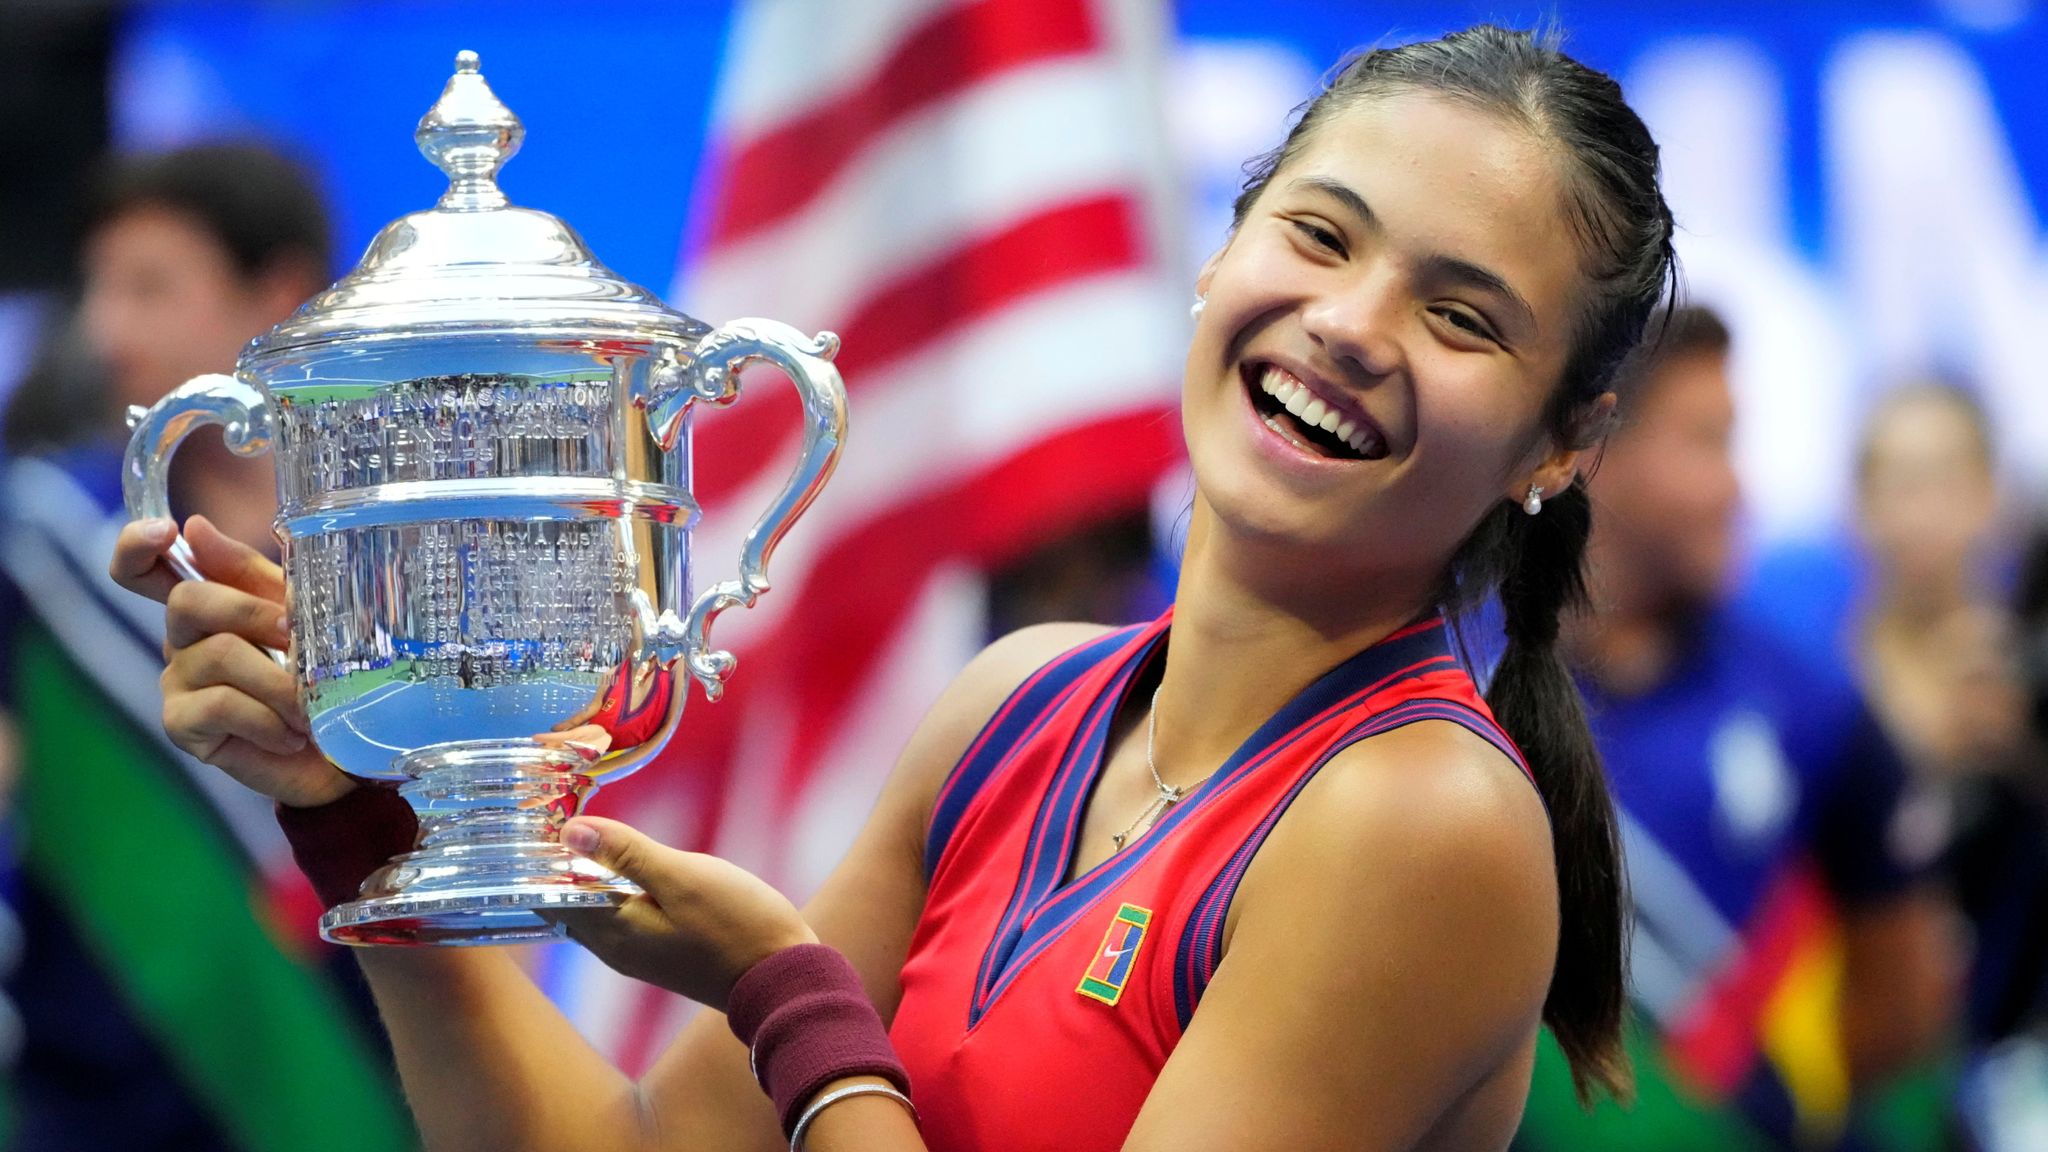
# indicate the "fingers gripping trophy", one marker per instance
pixel 483 469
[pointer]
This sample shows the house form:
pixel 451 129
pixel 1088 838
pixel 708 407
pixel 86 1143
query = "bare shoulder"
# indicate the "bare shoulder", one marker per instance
pixel 1427 821
pixel 1430 785
pixel 1393 944
pixel 989 678
pixel 999 668
pixel 967 703
pixel 869 906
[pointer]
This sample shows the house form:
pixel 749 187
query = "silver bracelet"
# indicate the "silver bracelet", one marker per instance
pixel 796 1134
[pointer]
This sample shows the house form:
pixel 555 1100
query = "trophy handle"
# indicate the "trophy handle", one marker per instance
pixel 714 378
pixel 244 417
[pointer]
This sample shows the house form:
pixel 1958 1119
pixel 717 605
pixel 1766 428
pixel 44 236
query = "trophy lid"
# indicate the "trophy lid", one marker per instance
pixel 475 263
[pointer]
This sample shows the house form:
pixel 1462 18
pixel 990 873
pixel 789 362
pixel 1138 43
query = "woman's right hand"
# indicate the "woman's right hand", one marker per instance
pixel 225 700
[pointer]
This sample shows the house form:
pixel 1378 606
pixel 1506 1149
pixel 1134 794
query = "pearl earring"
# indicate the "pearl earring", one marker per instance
pixel 1534 503
pixel 1195 309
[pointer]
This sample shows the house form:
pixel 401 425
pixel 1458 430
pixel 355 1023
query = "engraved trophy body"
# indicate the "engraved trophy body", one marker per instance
pixel 482 441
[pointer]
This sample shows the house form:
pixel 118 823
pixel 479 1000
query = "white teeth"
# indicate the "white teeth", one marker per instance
pixel 1305 406
pixel 1280 426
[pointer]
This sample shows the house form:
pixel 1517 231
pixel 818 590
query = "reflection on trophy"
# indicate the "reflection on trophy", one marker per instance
pixel 484 502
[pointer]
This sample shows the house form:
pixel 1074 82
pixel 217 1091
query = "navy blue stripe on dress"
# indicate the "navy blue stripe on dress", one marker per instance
pixel 1027 708
pixel 1414 651
pixel 1050 846
pixel 1201 943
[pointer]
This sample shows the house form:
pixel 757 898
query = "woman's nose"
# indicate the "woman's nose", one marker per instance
pixel 1361 323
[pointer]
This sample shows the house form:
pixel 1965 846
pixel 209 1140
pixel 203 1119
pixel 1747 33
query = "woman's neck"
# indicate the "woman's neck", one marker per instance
pixel 1252 629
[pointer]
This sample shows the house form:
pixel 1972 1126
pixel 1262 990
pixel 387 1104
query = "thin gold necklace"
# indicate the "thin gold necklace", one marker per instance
pixel 1169 795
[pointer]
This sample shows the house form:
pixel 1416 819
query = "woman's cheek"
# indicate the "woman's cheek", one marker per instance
pixel 1463 446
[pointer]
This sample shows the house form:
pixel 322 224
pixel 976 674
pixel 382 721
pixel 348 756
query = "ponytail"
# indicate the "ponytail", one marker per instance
pixel 1538 565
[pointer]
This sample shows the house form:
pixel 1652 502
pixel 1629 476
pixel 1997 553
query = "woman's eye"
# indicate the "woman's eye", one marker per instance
pixel 1320 236
pixel 1465 322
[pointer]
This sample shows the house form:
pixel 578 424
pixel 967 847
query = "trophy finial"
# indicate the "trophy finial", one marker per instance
pixel 469 134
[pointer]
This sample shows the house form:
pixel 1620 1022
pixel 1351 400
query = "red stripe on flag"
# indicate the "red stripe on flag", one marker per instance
pixel 972 281
pixel 780 171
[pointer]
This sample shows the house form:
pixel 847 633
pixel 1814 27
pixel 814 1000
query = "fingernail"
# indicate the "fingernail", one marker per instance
pixel 284 626
pixel 159 529
pixel 580 838
pixel 293 742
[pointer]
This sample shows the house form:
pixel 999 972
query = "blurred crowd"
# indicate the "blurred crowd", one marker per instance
pixel 1832 759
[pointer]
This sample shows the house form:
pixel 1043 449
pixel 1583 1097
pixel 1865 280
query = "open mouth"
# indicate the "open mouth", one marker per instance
pixel 1289 408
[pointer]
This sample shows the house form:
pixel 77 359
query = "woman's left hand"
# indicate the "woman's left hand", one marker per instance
pixel 698 924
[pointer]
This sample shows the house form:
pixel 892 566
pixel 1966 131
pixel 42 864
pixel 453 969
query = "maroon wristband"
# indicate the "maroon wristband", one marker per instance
pixel 338 844
pixel 805 1018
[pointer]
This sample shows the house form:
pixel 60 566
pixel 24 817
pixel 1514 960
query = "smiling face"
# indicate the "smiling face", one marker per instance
pixel 1407 284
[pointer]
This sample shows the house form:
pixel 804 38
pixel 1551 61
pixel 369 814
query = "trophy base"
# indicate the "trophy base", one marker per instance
pixel 488 868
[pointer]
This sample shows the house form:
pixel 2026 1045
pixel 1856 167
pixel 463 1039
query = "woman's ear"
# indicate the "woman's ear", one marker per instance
pixel 1561 465
pixel 1208 270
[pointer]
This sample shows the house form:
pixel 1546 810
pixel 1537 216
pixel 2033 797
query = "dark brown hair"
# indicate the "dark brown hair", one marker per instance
pixel 1536 563
pixel 260 205
pixel 1688 330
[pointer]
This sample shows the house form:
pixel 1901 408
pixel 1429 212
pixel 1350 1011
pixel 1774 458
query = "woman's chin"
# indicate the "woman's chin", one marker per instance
pixel 1275 521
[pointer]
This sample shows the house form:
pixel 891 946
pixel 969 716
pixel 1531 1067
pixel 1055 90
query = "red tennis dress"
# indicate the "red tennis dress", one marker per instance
pixel 1036 1014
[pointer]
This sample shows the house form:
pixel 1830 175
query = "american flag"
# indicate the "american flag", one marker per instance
pixel 972 195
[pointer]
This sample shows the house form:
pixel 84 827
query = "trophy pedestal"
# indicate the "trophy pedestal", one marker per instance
pixel 489 865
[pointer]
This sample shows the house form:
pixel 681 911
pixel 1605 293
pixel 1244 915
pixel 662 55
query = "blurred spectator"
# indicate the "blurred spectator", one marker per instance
pixel 1933 643
pixel 1937 649
pixel 161 1007
pixel 188 255
pixel 1787 952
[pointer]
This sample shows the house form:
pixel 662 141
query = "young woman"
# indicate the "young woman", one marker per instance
pixel 1265 873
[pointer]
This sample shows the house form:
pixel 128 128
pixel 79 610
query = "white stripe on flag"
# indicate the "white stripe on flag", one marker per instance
pixel 987 391
pixel 1020 143
pixel 941 634
pixel 786 57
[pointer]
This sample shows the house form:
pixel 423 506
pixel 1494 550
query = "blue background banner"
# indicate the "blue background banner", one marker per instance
pixel 1856 181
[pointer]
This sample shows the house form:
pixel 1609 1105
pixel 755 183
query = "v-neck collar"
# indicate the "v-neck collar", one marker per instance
pixel 1042 906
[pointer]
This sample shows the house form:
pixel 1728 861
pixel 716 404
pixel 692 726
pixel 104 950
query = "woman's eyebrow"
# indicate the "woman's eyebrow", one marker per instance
pixel 1342 193
pixel 1452 270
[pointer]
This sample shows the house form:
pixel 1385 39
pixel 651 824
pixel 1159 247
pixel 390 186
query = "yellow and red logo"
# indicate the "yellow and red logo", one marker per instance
pixel 1111 967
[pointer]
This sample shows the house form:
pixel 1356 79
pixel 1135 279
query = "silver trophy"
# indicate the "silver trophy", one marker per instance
pixel 483 441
